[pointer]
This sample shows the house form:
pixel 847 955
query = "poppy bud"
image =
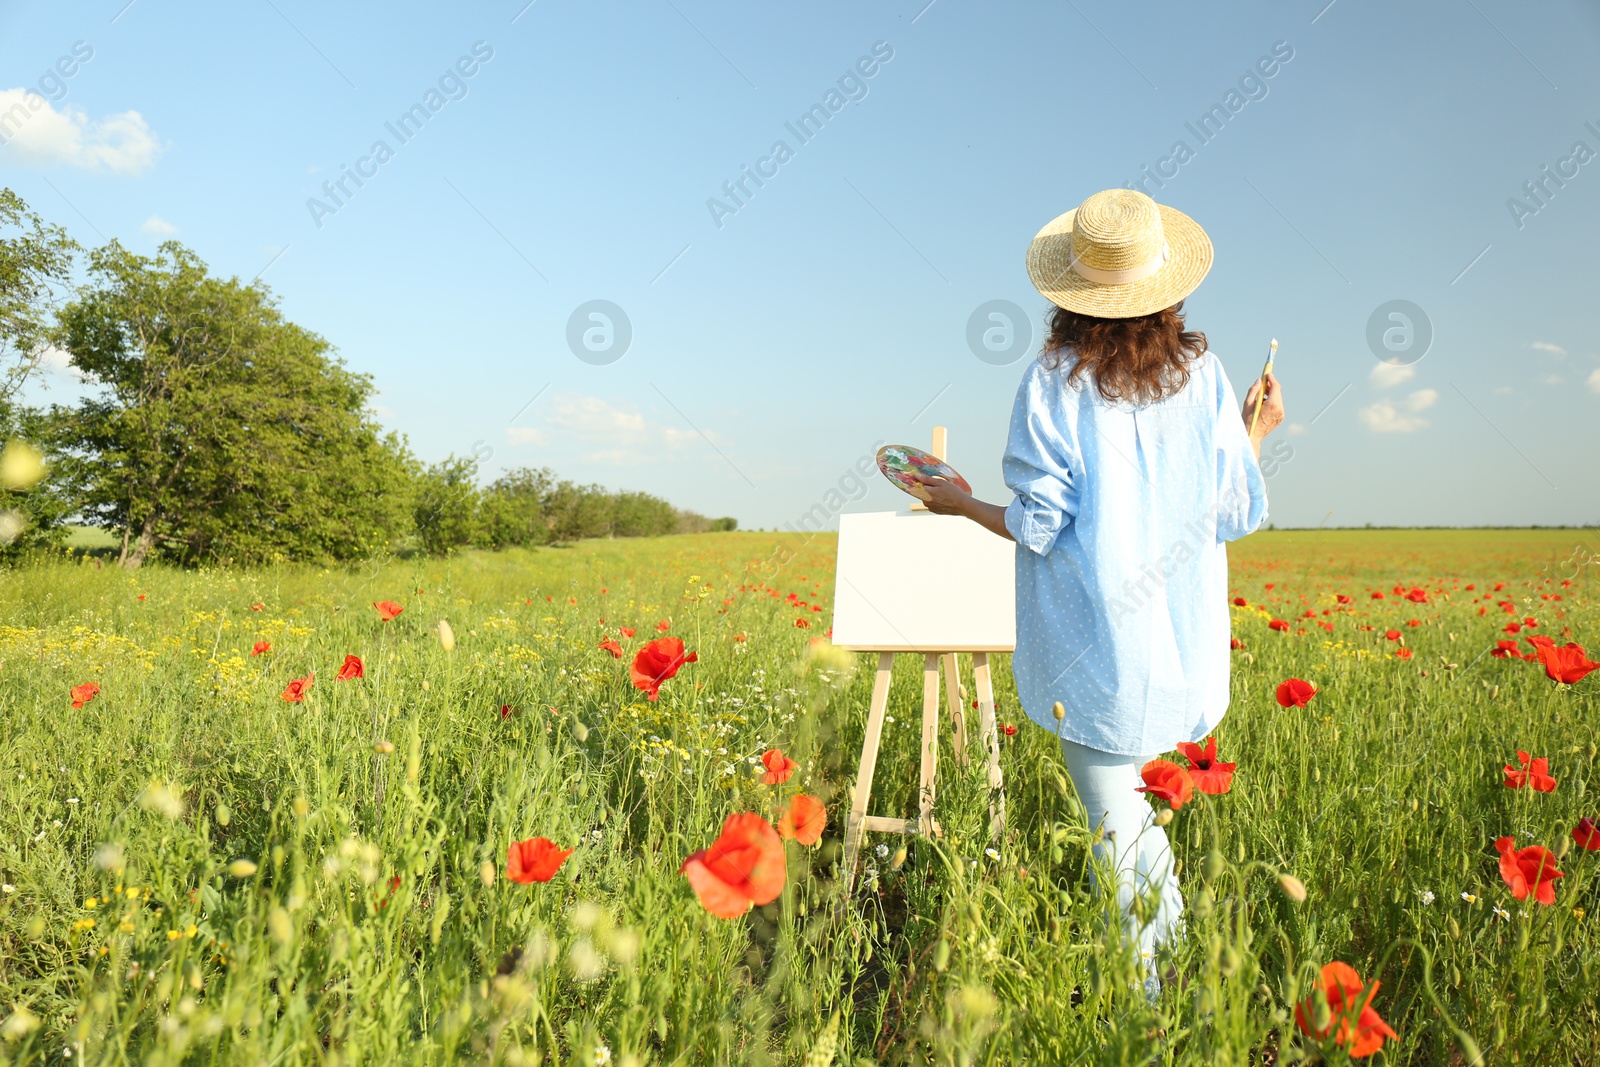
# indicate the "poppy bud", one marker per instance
pixel 1058 710
pixel 580 731
pixel 447 636
pixel 1203 1002
pixel 1163 817
pixel 1213 865
pixel 1230 961
pixel 1322 1015
pixel 1455 930
pixel 223 815
pixel 1204 903
pixel 898 860
pixel 1562 846
pixel 1293 888
pixel 941 955
pixel 1097 978
pixel 383 748
pixel 242 868
pixel 1469 1049
pixel 486 873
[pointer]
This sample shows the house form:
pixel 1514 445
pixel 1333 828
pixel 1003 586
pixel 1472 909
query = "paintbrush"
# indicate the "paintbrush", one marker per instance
pixel 1272 353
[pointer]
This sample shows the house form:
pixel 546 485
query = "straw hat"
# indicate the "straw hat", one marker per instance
pixel 1119 255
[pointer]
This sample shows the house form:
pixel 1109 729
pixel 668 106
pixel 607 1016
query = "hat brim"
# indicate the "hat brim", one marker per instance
pixel 1188 261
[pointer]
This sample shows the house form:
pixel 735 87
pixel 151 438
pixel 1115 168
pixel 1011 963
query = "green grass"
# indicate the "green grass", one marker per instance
pixel 1383 797
pixel 88 537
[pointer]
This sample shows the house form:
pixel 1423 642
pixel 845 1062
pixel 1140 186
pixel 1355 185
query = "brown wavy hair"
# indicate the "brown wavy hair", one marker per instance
pixel 1139 360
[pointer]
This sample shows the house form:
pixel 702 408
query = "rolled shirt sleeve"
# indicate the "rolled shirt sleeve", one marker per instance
pixel 1241 488
pixel 1039 466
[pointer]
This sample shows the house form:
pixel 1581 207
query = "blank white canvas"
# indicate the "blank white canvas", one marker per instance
pixel 923 583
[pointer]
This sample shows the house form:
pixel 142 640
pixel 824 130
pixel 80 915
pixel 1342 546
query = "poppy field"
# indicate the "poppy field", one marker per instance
pixel 585 805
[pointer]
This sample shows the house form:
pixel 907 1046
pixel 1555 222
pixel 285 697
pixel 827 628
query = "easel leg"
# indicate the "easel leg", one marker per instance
pixel 869 763
pixel 930 740
pixel 991 739
pixel 952 702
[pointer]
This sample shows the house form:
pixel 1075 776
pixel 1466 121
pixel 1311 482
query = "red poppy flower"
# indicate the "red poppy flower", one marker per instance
pixel 663 626
pixel 740 638
pixel 1295 692
pixel 506 711
pixel 1341 598
pixel 802 624
pixel 1534 773
pixel 804 820
pixel 744 866
pixel 657 661
pixel 1240 602
pixel 258 607
pixel 627 631
pixel 1235 643
pixel 535 860
pixel 260 648
pixel 1278 624
pixel 1008 729
pixel 780 768
pixel 1536 640
pixel 1417 596
pixel 611 646
pixel 1530 870
pixel 387 609
pixel 1513 627
pixel 1504 649
pixel 1586 835
pixel 1402 653
pixel 1531 622
pixel 1392 635
pixel 1208 775
pixel 353 668
pixel 1356 1026
pixel 1167 780
pixel 82 694
pixel 1566 664
pixel 295 691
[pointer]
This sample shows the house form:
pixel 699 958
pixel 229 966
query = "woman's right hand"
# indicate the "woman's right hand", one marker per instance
pixel 1271 409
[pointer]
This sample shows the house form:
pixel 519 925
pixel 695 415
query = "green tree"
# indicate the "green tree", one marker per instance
pixel 448 510
pixel 222 431
pixel 514 508
pixel 35 259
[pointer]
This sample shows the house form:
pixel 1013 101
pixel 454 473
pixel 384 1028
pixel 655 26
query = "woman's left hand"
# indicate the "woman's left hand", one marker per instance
pixel 944 498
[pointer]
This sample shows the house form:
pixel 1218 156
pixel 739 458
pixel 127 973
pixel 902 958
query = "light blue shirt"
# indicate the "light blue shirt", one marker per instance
pixel 1121 517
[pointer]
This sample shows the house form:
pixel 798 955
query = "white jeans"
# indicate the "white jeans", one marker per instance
pixel 1133 846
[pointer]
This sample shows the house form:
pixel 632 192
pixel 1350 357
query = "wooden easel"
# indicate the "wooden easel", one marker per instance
pixel 858 821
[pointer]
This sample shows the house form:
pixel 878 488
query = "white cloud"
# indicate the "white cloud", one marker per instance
pixel 1295 429
pixel 57 362
pixel 156 226
pixel 1387 375
pixel 1594 380
pixel 1385 417
pixel 1422 399
pixel 524 435
pixel 1503 390
pixel 1546 346
pixel 606 432
pixel 1551 379
pixel 36 134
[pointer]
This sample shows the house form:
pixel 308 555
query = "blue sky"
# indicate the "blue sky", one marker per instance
pixel 773 346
